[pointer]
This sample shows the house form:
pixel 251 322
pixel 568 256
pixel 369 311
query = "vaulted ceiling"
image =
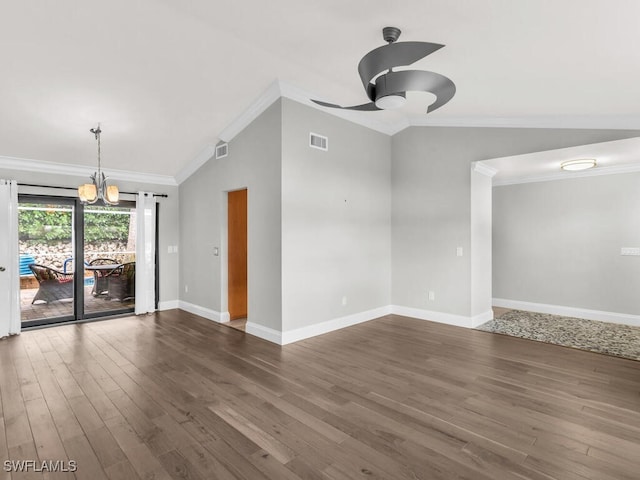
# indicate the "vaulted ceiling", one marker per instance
pixel 165 77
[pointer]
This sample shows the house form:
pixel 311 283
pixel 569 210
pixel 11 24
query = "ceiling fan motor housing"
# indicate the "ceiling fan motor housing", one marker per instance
pixel 391 34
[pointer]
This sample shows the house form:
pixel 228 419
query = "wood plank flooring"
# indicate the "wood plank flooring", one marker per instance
pixel 174 396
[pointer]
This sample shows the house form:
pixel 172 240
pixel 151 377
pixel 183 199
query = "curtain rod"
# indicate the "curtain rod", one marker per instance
pixel 163 195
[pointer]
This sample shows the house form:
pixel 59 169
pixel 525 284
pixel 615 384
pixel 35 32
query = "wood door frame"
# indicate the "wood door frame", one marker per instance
pixel 224 254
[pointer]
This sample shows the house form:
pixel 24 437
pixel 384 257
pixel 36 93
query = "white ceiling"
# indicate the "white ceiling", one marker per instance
pixel 165 77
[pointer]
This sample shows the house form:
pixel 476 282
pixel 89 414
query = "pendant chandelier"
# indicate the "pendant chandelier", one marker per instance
pixel 90 193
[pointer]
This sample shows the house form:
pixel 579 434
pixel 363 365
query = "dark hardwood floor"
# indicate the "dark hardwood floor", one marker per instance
pixel 172 395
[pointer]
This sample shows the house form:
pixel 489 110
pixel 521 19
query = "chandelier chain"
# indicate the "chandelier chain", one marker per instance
pixel 97 131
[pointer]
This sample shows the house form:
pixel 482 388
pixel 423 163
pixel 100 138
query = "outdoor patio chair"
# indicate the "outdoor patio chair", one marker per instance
pixel 100 276
pixel 52 284
pixel 122 282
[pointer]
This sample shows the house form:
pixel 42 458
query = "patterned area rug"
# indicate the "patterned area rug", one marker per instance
pixel 602 337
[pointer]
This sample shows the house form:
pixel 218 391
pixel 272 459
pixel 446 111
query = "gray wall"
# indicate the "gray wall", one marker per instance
pixel 431 211
pixel 336 218
pixel 168 219
pixel 254 162
pixel 558 243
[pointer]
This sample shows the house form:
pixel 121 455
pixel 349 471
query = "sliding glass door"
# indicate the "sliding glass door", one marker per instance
pixel 76 261
pixel 47 244
pixel 109 258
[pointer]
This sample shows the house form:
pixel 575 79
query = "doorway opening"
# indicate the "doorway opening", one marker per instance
pixel 76 262
pixel 237 258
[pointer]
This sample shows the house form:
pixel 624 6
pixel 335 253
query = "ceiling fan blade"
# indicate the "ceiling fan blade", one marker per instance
pixel 367 107
pixel 417 81
pixel 393 55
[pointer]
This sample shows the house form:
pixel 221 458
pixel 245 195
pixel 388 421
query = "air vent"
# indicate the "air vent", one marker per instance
pixel 318 141
pixel 222 150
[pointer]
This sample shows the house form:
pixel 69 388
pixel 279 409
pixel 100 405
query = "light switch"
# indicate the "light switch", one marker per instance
pixel 216 251
pixel 459 251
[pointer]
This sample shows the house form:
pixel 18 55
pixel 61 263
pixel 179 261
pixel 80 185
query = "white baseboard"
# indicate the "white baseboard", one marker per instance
pixel 298 334
pixel 266 333
pixel 291 336
pixel 169 305
pixel 478 320
pixel 440 317
pixel 201 311
pixel 576 312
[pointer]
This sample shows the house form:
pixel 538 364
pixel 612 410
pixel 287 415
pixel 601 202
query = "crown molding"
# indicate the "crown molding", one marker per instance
pixel 190 168
pixel 253 111
pixel 280 88
pixel 484 169
pixel 297 94
pixel 595 122
pixel 68 169
pixel 594 172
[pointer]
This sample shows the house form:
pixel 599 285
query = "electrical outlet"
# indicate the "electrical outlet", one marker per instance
pixel 344 300
pixel 186 289
pixel 459 251
pixel 432 295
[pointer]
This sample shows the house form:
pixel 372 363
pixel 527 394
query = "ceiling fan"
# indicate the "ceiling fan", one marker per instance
pixel 387 88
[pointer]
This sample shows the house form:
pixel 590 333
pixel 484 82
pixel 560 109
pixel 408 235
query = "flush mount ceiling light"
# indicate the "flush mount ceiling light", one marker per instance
pixel 387 88
pixel 98 190
pixel 576 165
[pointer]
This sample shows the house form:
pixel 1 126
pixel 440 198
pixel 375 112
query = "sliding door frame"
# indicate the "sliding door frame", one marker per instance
pixel 44 199
pixel 77 227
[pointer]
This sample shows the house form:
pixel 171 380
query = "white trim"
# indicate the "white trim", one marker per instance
pixel 478 320
pixel 68 169
pixel 614 122
pixel 291 336
pixel 484 169
pixel 266 333
pixel 190 168
pixel 253 111
pixel 298 334
pixel 575 312
pixel 560 175
pixel 200 311
pixel 440 317
pixel 281 89
pixel 168 305
pixel 365 119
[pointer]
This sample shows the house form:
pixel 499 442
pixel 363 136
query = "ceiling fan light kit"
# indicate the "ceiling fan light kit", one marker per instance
pixel 389 102
pixel 387 88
